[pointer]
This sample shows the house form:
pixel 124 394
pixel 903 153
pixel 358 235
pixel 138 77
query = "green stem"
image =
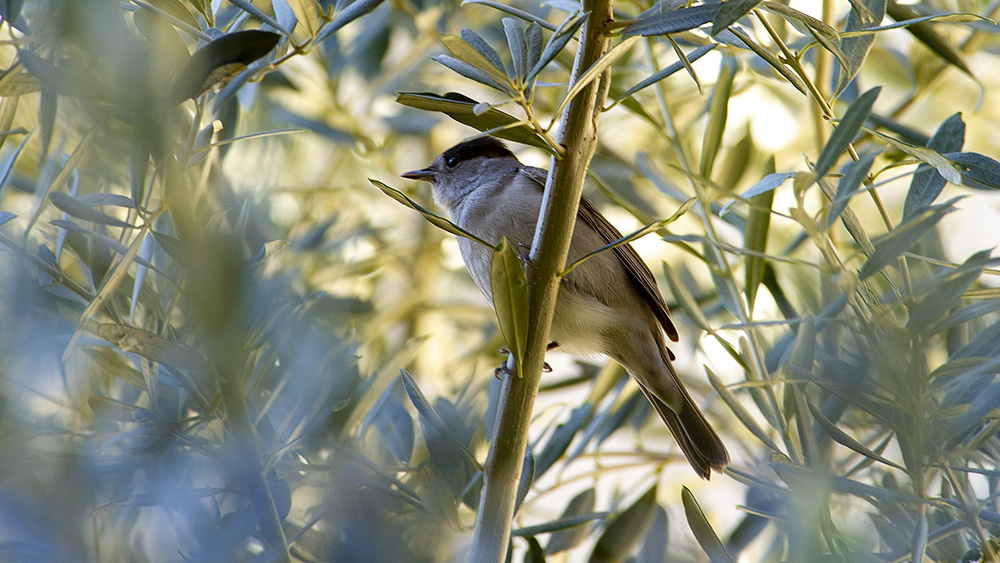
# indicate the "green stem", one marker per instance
pixel 578 136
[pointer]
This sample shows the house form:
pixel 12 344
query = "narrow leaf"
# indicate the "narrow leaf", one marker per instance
pixel 654 226
pixel 462 108
pixel 764 185
pixel 844 439
pixel 518 48
pixel 429 415
pixel 718 113
pixel 352 12
pixel 436 220
pixel 221 60
pixel 927 184
pixel 469 53
pixel 734 404
pixel 944 166
pixel 854 173
pixel 153 347
pixel 556 43
pixel 847 129
pixel 596 70
pixel 472 73
pixel 947 291
pixel 673 21
pixel 307 13
pixel 510 299
pixel 514 12
pixel 80 210
pixel 731 12
pixel 580 510
pixel 625 530
pixel 755 242
pixel 665 72
pixel 703 532
pixel 863 14
pixel 979 168
pixel 533 37
pixel 927 35
pixel 484 49
pixel 891 246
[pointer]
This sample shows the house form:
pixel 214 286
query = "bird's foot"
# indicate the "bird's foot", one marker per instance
pixel 507 367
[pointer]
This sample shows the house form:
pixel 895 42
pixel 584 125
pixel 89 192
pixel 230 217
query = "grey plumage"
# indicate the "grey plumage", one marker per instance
pixel 610 304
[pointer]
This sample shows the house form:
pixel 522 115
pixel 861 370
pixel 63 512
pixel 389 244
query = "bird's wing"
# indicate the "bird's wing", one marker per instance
pixel 639 273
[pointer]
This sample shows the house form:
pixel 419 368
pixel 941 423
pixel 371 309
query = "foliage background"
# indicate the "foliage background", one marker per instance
pixel 202 341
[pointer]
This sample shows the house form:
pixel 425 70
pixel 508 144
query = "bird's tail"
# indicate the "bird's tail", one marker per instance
pixel 701 445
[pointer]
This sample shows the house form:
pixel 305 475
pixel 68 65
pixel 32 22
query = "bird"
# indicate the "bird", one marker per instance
pixel 610 304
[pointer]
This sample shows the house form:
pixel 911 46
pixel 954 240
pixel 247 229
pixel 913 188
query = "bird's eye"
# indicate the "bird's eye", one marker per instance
pixel 451 161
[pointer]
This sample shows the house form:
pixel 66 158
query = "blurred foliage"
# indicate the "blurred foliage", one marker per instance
pixel 210 317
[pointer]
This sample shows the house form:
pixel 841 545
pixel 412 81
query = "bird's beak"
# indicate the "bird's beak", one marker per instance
pixel 425 174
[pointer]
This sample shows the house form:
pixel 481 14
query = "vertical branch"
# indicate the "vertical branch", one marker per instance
pixel 578 135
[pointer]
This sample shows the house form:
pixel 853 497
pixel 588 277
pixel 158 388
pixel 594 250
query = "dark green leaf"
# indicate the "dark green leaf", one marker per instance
pixel 744 416
pixel 625 530
pixel 154 348
pixel 665 72
pixel 556 43
pixel 947 291
pixel 518 49
pixel 533 38
pixel 510 300
pixel 926 35
pixel 673 21
pixel 978 168
pixel 6 216
pixel 966 314
pixel 472 73
pixel 10 10
pixel 430 416
pixel 578 511
pixel 81 210
pixel 535 553
pixel 755 242
pixel 854 173
pixel 891 246
pixel 654 544
pixel 176 9
pixel 436 220
pixel 927 183
pixel 514 12
pixel 563 523
pixel 561 438
pixel 461 108
pixel 718 113
pixel 846 440
pixel 770 58
pixel 703 532
pixel 764 185
pixel 219 61
pixel 864 13
pixel 483 48
pixel 527 478
pixel 731 12
pixel 847 129
pixel 396 428
pixel 352 12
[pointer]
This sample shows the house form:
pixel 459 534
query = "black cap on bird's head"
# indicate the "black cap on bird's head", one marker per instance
pixel 487 147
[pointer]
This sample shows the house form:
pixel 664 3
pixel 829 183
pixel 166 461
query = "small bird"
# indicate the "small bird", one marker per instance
pixel 610 304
